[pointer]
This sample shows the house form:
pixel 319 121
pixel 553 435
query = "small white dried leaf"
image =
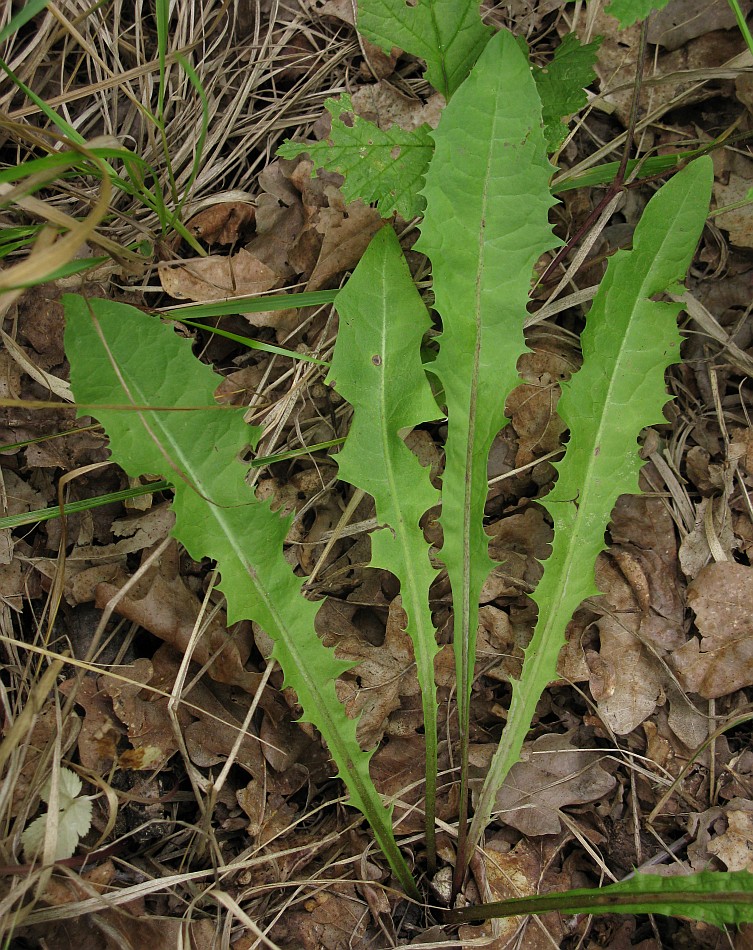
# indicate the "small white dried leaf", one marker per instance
pixel 69 786
pixel 74 819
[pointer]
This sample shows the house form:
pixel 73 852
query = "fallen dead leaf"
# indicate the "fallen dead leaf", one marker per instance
pixel 215 277
pixel 518 541
pixel 734 847
pixel 722 660
pixel 101 731
pixel 223 223
pixel 347 232
pixel 733 187
pixel 643 617
pixel 162 604
pixel 551 774
pixel 383 104
pixel 615 66
pixel 683 20
pixel 519 872
pixel 335 919
pixel 723 833
pixel 36 745
pixel 372 689
pixel 145 716
pixel 397 768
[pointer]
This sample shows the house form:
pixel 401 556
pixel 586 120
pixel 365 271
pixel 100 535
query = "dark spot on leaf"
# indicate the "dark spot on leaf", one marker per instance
pixel 376 359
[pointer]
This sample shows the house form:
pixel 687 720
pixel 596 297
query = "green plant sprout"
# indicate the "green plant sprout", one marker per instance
pixel 485 201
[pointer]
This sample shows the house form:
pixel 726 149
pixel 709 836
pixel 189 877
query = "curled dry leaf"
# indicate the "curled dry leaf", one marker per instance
pixel 372 690
pixel 88 565
pixel 518 541
pixel 551 775
pixel 223 223
pixel 101 731
pixel 162 604
pixel 520 872
pixel 215 277
pixel 683 20
pixel 145 716
pixel 642 620
pixel 722 660
pixel 270 816
pixel 397 768
pixel 347 232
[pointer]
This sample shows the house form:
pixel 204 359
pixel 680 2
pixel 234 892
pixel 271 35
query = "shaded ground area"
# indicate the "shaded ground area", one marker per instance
pixel 219 823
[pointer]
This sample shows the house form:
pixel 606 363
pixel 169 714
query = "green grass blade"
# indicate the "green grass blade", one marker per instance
pixel 448 34
pixel 58 121
pixel 86 504
pixel 606 174
pixel 46 514
pixel 377 367
pixel 629 340
pixel 162 18
pixel 255 344
pixel 195 81
pixel 218 308
pixel 27 12
pixel 217 515
pixel 489 178
pixel 715 897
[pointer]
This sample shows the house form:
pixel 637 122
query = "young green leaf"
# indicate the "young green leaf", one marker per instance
pixel 486 224
pixel 382 166
pixel 74 818
pixel 628 11
pixel 562 83
pixel 389 167
pixel 377 367
pixel 629 341
pixel 448 34
pixel 217 515
pixel 716 897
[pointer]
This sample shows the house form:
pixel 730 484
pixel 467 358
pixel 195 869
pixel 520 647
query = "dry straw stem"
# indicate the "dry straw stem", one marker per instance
pixel 237 60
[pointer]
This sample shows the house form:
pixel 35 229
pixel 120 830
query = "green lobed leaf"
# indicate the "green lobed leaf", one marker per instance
pixel 486 224
pixel 716 897
pixel 389 167
pixel 628 11
pixel 561 85
pixel 629 340
pixel 386 166
pixel 377 367
pixel 120 355
pixel 448 34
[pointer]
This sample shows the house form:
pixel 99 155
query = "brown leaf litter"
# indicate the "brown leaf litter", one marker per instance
pixel 186 783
